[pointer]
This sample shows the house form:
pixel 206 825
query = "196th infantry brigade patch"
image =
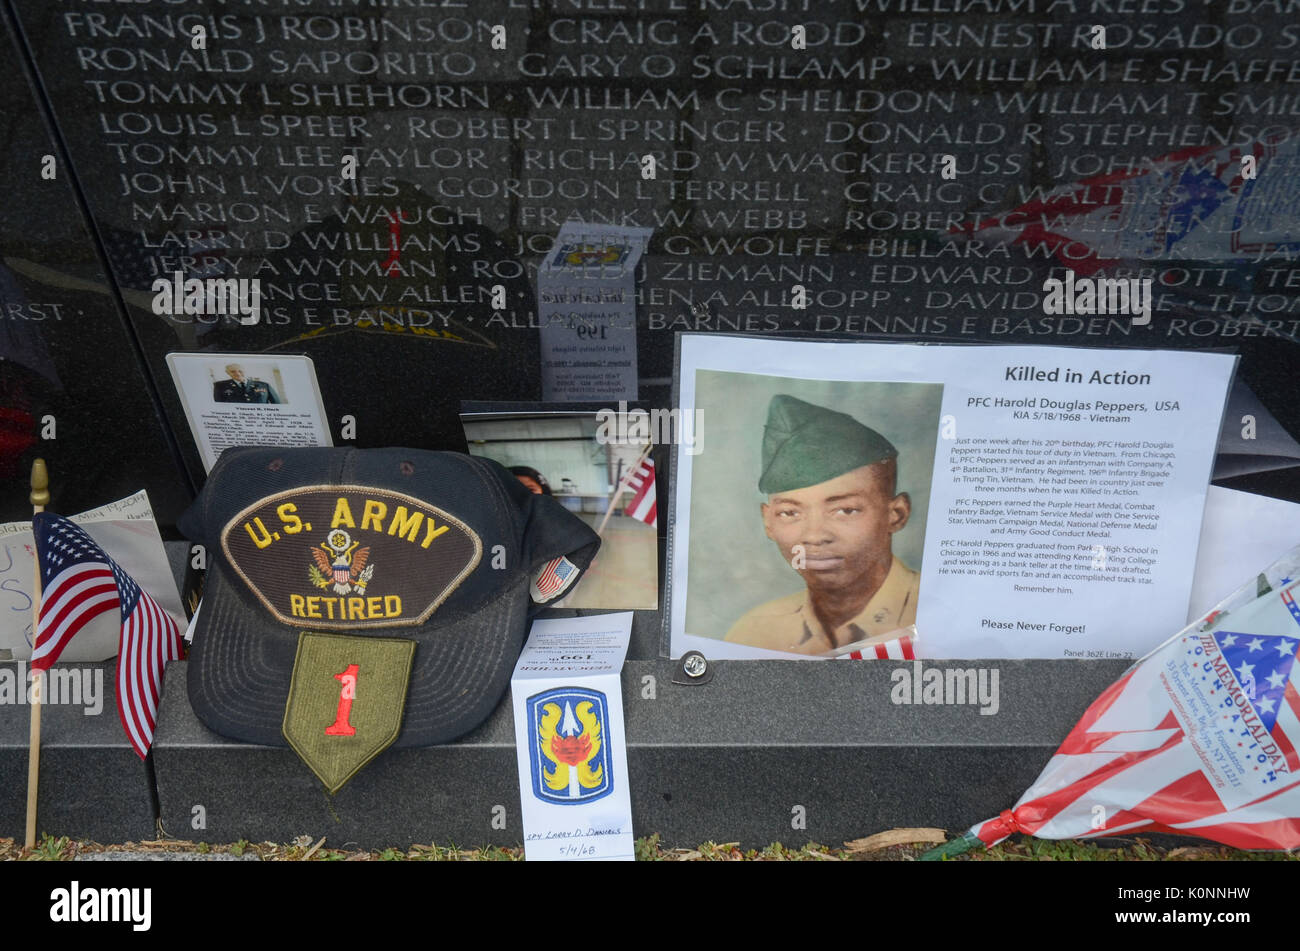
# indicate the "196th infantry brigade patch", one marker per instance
pixel 346 700
pixel 582 254
pixel 345 557
pixel 568 745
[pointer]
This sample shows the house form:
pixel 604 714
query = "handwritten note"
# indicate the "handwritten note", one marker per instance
pixel 127 531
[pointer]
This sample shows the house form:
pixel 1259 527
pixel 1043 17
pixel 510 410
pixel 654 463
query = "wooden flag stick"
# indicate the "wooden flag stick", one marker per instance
pixel 40 498
pixel 622 484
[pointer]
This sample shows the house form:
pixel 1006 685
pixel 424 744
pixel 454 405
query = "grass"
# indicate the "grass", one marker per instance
pixel 51 849
pixel 1016 849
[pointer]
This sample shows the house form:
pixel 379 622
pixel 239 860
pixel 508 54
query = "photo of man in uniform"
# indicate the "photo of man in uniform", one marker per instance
pixel 241 389
pixel 832 509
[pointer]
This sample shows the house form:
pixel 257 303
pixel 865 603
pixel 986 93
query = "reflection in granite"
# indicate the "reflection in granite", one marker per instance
pixel 72 388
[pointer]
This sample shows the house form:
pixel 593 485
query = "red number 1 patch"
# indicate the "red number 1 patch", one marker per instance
pixel 347 694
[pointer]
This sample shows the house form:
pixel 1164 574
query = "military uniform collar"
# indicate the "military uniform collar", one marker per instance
pixel 877 617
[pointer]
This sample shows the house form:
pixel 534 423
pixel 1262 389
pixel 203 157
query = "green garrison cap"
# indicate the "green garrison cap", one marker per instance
pixel 805 444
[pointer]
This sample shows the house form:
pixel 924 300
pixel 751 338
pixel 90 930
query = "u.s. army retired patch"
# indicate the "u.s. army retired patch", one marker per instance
pixel 346 701
pixel 347 557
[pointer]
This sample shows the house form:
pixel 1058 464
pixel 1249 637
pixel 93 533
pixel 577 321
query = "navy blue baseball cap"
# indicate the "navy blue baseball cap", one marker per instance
pixel 444 550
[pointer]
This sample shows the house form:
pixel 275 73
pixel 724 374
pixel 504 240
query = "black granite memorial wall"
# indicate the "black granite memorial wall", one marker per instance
pixel 900 160
pixel 72 386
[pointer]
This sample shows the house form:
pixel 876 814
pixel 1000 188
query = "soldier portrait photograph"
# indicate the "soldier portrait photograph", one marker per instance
pixel 239 387
pixel 808 512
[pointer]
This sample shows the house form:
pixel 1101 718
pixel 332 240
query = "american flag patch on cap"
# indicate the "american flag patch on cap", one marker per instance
pixel 553 578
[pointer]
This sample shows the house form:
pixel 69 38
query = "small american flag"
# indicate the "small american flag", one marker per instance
pixel 80 582
pixel 553 578
pixel 643 505
pixel 902 647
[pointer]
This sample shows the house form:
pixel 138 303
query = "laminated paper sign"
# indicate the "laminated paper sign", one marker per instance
pixel 234 399
pixel 587 309
pixel 1008 501
pixel 568 706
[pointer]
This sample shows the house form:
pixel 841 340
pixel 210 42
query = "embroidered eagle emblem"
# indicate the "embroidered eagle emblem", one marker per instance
pixel 341 563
